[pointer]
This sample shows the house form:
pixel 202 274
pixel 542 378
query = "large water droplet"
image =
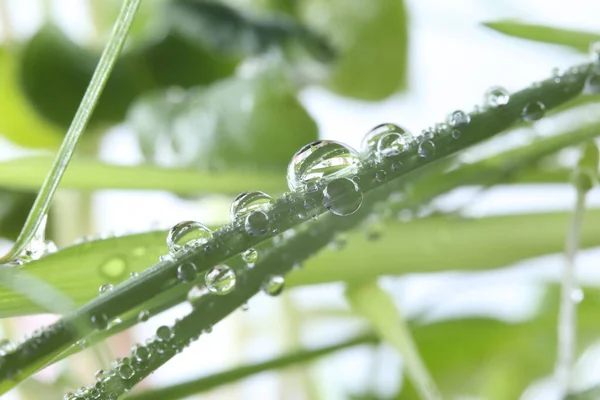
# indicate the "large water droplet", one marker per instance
pixel 396 140
pixel 220 279
pixel 533 111
pixel 105 288
pixel 187 233
pixel 141 353
pixel 458 118
pixel 113 269
pixel 186 272
pixel 592 83
pixel 273 285
pixel 496 96
pixel 342 196
pixel 247 202
pixel 250 256
pixel 595 52
pixel 322 159
pixel 257 223
pixel 426 148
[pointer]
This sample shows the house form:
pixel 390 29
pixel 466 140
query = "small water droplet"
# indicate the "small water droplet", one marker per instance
pixel 134 274
pixel 126 371
pixel 99 375
pixel 143 316
pixel 190 233
pixel 220 279
pixel 186 272
pixel 274 285
pixel 257 223
pixel 165 257
pixel 6 347
pixel 342 197
pixel 533 111
pixel 141 353
pixel 455 134
pixel 595 52
pixel 577 296
pixel 496 96
pixel 207 330
pixel 113 269
pixel 164 333
pixel 592 83
pixel 396 140
pixel 244 306
pixel 247 202
pixel 426 148
pixel 99 321
pixel 458 118
pixel 105 288
pixel 380 176
pixel 250 256
pixel 321 159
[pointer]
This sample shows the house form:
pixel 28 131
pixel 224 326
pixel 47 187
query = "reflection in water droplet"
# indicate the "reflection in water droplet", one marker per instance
pixel 186 272
pixel 273 285
pixel 126 371
pixel 143 316
pixel 257 223
pixel 250 256
pixel 113 269
pixel 533 111
pixel 426 148
pixel 99 321
pixel 342 197
pixel 396 140
pixel 220 279
pixel 380 176
pixel 248 202
pixel 164 333
pixel 458 118
pixel 321 159
pixel 105 288
pixel 496 96
pixel 187 233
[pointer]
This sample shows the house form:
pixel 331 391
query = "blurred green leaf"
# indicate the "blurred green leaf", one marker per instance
pixel 14 207
pixel 19 122
pixel 579 40
pixel 428 245
pixel 28 173
pixel 226 30
pixel 372 40
pixel 245 122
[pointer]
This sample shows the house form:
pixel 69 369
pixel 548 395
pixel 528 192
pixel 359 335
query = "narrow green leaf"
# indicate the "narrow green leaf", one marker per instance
pixel 371 302
pixel 372 39
pixel 578 40
pixel 28 173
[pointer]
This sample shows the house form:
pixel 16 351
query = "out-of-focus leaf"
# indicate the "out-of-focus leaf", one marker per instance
pixel 19 122
pixel 14 207
pixel 28 173
pixel 244 122
pixel 372 41
pixel 55 72
pixel 578 40
pixel 226 30
pixel 429 245
pixel 496 360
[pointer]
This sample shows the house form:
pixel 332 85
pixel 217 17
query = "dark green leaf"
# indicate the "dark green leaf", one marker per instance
pixel 372 39
pixel 579 40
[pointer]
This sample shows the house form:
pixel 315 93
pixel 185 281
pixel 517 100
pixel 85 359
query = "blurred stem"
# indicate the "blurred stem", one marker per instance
pixel 84 112
pixel 567 317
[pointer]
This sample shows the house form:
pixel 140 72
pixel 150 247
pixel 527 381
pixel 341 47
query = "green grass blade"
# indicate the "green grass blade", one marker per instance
pixel 85 174
pixel 90 99
pixel 221 379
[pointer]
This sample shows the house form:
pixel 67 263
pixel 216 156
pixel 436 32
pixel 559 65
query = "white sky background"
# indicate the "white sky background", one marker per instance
pixel 453 60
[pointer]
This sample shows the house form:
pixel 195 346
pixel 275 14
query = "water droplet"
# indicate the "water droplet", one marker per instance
pixel 244 306
pixel 247 202
pixel 134 274
pixel 380 176
pixel 220 279
pixel 321 159
pixel 126 371
pixel 257 223
pixel 273 285
pixel 371 142
pixel 6 347
pixel 36 248
pixel 99 375
pixel 595 52
pixel 455 134
pixel 207 330
pixel 141 353
pixel 99 321
pixel 165 257
pixel 250 256
pixel 113 269
pixel 577 296
pixel 533 111
pixel 496 96
pixel 105 288
pixel 186 272
pixel 342 197
pixel 143 316
pixel 426 148
pixel 592 83
pixel 458 118
pixel 164 333
pixel 190 233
